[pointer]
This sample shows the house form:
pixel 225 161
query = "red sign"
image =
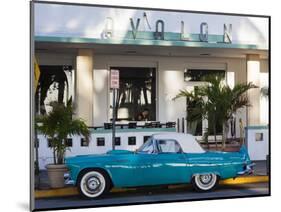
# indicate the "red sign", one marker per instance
pixel 114 78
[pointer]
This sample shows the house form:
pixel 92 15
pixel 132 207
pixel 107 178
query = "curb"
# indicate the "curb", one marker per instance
pixel 72 191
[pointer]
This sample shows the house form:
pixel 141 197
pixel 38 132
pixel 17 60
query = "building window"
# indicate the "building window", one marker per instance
pixel 69 142
pixel 136 96
pixel 55 84
pixel 100 142
pixel 198 75
pixel 132 140
pixel 84 143
pixel 259 136
pixel 117 141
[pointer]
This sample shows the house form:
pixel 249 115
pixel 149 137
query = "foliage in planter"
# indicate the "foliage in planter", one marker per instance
pixel 194 107
pixel 218 101
pixel 57 125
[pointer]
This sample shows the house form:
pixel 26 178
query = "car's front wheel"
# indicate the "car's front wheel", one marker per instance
pixel 93 184
pixel 205 182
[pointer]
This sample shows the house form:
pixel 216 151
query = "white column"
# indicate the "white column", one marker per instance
pixel 253 75
pixel 84 85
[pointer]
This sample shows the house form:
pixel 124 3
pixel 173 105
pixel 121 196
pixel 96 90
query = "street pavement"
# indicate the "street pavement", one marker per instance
pixel 157 194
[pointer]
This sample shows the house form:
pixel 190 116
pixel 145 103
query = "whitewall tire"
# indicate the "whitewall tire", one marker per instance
pixel 93 184
pixel 205 182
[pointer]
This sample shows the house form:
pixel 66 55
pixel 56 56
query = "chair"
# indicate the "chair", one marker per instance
pixel 132 125
pixel 155 124
pixel 107 126
pixel 147 125
pixel 170 124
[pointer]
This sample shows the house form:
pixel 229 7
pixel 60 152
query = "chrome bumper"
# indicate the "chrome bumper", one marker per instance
pixel 67 180
pixel 248 170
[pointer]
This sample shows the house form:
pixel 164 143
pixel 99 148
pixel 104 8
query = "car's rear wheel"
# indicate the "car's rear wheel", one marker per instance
pixel 93 184
pixel 205 182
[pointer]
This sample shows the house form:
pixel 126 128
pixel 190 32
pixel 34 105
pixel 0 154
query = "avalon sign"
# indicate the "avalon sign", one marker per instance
pixel 159 33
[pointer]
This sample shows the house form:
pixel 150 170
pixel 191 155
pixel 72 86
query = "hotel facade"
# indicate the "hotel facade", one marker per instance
pixel 157 53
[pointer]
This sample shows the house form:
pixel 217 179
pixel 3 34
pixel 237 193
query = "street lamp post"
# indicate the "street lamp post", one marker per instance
pixel 114 85
pixel 113 119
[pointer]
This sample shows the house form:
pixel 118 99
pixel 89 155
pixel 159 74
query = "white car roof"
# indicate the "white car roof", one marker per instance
pixel 187 142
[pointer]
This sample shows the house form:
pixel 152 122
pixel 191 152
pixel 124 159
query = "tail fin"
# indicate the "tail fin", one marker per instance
pixel 243 150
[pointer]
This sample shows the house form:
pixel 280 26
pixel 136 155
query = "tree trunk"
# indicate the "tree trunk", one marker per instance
pixel 224 134
pixel 60 158
pixel 61 150
pixel 54 154
pixel 215 132
pixel 215 137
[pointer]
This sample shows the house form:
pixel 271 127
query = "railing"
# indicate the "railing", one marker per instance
pixel 134 125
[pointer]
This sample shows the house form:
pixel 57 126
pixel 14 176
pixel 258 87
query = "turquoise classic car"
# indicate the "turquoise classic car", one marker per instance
pixel 167 158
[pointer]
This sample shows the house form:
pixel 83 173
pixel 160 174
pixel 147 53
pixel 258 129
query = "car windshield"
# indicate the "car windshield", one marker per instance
pixel 147 147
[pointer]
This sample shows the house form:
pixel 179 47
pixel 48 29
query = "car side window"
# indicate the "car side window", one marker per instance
pixel 169 146
pixel 147 147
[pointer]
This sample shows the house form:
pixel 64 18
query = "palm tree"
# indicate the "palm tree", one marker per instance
pixel 194 107
pixel 230 100
pixel 211 105
pixel 218 101
pixel 58 125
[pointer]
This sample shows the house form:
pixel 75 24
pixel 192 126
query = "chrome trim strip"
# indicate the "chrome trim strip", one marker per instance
pixel 69 182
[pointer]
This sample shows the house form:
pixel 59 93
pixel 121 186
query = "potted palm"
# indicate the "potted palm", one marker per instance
pixel 57 126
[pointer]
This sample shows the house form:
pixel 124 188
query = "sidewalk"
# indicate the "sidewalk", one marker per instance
pixel 260 168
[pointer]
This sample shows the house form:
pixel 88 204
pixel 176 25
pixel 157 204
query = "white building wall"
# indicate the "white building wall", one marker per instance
pixel 170 79
pixel 264 101
pixel 258 148
pixel 169 70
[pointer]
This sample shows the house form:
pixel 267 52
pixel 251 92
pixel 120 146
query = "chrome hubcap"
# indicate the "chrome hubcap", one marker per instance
pixel 205 178
pixel 92 184
pixel 206 181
